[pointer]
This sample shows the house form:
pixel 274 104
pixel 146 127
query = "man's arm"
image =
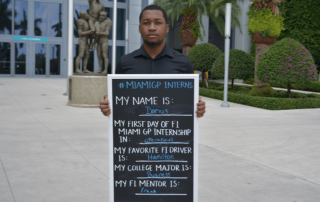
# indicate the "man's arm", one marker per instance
pixel 80 27
pixel 108 27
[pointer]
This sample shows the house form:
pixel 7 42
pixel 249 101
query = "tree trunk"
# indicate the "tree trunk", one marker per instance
pixel 203 78
pixel 260 49
pixel 232 81
pixel 186 49
pixel 289 90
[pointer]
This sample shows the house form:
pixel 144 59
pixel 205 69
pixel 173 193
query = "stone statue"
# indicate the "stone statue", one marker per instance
pixel 84 32
pixel 95 7
pixel 103 27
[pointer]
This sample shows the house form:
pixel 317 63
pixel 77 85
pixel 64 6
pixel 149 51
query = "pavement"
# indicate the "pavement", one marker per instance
pixel 51 152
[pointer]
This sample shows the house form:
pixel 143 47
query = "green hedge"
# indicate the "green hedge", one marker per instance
pixel 264 102
pixel 311 86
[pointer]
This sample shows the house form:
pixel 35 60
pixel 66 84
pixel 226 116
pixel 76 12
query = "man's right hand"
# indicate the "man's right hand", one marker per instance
pixel 104 106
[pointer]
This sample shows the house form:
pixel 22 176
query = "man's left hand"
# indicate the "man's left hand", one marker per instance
pixel 201 108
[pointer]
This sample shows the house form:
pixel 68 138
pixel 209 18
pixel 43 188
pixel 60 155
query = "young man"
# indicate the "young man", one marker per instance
pixel 154 56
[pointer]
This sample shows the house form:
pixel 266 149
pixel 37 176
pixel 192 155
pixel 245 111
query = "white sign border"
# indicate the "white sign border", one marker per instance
pixel 195 77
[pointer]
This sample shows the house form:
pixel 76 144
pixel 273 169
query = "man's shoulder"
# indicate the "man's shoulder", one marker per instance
pixel 129 56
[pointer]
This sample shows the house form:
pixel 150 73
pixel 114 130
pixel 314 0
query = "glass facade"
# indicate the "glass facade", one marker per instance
pixel 33 36
pixel 20 58
pixel 6 16
pixel 55 59
pixel 55 20
pixel 40 59
pixel 21 18
pixel 40 19
pixel 5 55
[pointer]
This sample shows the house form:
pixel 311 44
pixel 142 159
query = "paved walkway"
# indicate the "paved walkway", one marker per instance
pixel 50 152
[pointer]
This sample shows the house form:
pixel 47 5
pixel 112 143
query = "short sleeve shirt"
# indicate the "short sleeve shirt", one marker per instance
pixel 167 62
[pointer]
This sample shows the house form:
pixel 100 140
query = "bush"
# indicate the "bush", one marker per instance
pixel 287 62
pixel 202 56
pixel 265 22
pixel 241 66
pixel 264 102
pixel 302 24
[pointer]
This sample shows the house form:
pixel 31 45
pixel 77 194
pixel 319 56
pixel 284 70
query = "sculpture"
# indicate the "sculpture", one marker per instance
pixel 84 32
pixel 95 27
pixel 95 7
pixel 103 27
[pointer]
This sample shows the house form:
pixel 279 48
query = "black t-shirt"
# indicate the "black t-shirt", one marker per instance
pixel 167 62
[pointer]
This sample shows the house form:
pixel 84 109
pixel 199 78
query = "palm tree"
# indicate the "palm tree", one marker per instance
pixel 192 11
pixel 37 30
pixel 23 26
pixel 58 27
pixel 5 16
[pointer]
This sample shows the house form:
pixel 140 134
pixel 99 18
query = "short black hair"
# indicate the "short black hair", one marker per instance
pixel 154 7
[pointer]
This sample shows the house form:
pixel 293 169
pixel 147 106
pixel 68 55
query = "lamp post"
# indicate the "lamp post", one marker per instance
pixel 226 54
pixel 70 43
pixel 114 36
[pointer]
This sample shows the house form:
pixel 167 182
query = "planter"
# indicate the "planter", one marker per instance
pixel 258 38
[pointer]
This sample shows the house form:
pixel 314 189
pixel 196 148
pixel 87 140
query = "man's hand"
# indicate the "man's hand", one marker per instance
pixel 104 106
pixel 201 105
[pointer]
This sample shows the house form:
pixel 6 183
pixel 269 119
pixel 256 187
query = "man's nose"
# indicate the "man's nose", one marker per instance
pixel 152 26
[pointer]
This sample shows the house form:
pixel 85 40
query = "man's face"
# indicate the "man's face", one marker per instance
pixel 102 17
pixel 153 27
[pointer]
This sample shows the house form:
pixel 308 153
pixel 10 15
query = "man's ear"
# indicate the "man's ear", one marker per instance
pixel 139 29
pixel 167 28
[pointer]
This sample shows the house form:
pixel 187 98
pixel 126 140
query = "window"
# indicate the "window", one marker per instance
pixel 21 18
pixel 40 54
pixel 5 58
pixel 6 17
pixel 55 59
pixel 40 19
pixel 20 58
pixel 55 20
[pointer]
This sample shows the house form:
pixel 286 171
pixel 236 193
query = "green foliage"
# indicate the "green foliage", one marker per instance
pixel 262 91
pixel 241 65
pixel 265 22
pixel 195 30
pixel 288 62
pixel 215 9
pixel 302 23
pixel 202 56
pixel 271 103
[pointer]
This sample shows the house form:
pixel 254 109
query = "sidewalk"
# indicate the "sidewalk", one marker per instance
pixel 50 152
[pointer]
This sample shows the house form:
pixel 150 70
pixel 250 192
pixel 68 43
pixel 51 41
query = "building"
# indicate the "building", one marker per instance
pixel 33 35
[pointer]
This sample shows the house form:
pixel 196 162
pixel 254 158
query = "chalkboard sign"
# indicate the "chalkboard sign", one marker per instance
pixel 153 138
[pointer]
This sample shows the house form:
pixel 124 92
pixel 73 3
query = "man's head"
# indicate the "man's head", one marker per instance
pixel 153 25
pixel 102 16
pixel 84 15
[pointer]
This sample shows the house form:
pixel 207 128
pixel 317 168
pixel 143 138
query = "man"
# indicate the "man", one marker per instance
pixel 154 56
pixel 84 32
pixel 103 27
pixel 95 7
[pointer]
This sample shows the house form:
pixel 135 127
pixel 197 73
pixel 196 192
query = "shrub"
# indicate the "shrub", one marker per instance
pixel 202 56
pixel 264 102
pixel 287 61
pixel 265 22
pixel 241 66
pixel 302 24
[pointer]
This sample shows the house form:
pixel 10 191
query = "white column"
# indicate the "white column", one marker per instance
pixel 134 36
pixel 243 41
